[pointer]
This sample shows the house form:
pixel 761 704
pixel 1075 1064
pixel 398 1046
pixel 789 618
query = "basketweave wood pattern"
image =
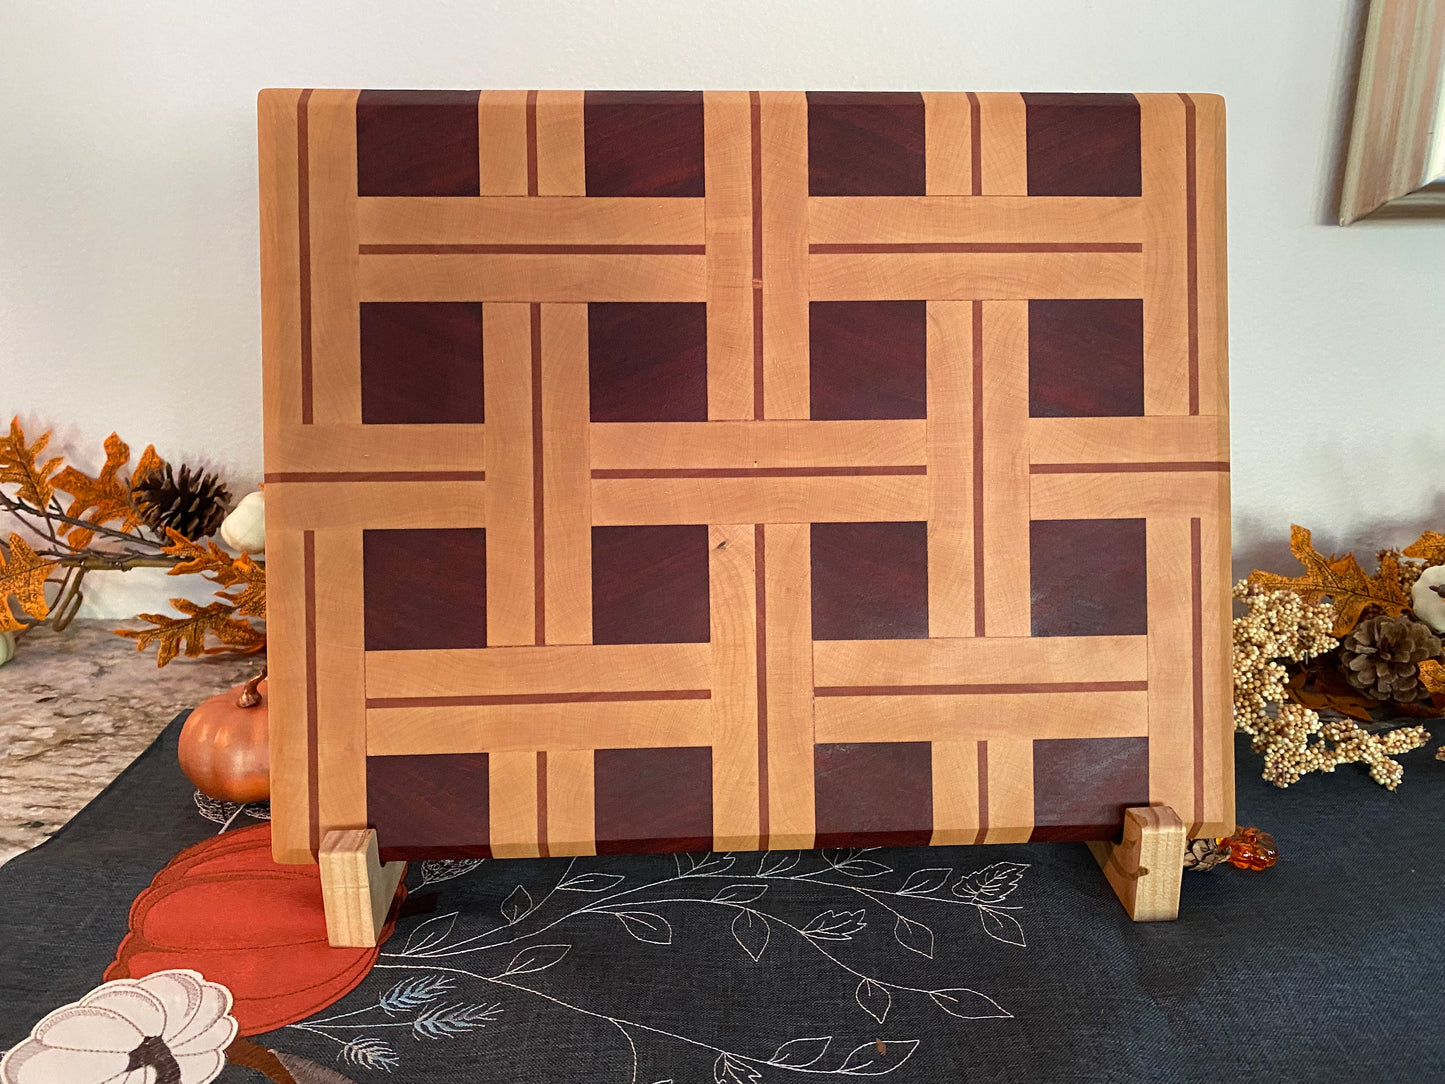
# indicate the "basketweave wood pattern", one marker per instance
pixel 742 470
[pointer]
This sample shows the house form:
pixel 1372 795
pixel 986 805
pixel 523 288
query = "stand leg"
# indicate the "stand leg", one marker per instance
pixel 356 888
pixel 1146 869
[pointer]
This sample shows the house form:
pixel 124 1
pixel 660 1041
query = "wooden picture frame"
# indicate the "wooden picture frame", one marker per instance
pixel 1395 167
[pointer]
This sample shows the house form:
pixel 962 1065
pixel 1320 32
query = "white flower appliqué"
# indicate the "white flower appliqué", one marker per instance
pixel 172 1027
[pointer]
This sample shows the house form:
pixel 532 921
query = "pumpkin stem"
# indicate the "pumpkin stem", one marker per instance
pixel 250 694
pixel 251 1055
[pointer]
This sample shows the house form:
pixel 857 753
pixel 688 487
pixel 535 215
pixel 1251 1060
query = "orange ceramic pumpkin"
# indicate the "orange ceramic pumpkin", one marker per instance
pixel 225 747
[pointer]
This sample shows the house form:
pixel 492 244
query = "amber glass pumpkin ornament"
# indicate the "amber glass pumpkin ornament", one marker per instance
pixel 225 746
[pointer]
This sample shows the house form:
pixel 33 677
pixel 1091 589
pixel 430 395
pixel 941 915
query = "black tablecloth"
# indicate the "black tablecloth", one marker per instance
pixel 1017 964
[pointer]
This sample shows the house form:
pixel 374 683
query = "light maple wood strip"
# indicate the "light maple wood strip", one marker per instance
pixel 340 682
pixel 507 374
pixel 365 448
pixel 1144 868
pixel 1010 790
pixel 286 698
pixel 512 803
pixel 571 825
pixel 950 477
pixel 1213 270
pixel 1006 480
pixel 374 505
pixel 672 445
pixel 530 220
pixel 1164 439
pixel 647 724
pixel 1003 138
pixel 356 888
pixel 939 219
pixel 1171 717
pixel 786 267
pixel 759 500
pixel 561 145
pixel 1164 182
pixel 502 141
pixel 577 278
pixel 788 579
pixel 1217 616
pixel 566 485
pixel 1125 496
pixel 335 315
pixel 948 140
pixel 727 127
pixel 979 718
pixel 525 671
pixel 955 793
pixel 979 660
pixel 733 606
pixel 965 276
pixel 280 261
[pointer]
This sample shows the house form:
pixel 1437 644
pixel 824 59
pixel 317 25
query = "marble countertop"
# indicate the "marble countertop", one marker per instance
pixel 75 708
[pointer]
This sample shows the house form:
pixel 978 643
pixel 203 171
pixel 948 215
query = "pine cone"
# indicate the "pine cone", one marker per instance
pixel 1382 657
pixel 191 502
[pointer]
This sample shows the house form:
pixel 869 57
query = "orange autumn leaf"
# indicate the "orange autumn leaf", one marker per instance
pixel 23 576
pixel 202 558
pixel 106 498
pixel 250 601
pixel 1432 675
pixel 1341 579
pixel 1430 546
pixel 173 634
pixel 20 466
pixel 1335 694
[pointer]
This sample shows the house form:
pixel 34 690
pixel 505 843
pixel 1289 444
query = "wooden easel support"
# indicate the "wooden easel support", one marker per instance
pixel 1146 868
pixel 356 888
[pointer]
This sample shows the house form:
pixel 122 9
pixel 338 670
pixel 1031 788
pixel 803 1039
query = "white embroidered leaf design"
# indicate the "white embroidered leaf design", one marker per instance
pixel 413 993
pixel 516 905
pixel 923 881
pixel 774 863
pixel 914 936
pixel 992 884
pixel 435 870
pixel 739 893
pixel 869 1060
pixel 536 958
pixel 710 865
pixel 645 926
pixel 730 1070
pixel 370 1053
pixel 835 925
pixel 874 999
pixel 862 867
pixel 751 931
pixel 591 882
pixel 1002 927
pixel 800 1052
pixel 445 1020
pixel 969 1005
pixel 429 934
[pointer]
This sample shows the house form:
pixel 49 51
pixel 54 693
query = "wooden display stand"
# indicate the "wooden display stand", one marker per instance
pixel 356 887
pixel 1146 868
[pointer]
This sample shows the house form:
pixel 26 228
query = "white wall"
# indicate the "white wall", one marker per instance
pixel 128 274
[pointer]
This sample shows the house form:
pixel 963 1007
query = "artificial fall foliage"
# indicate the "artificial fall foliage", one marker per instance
pixel 121 518
pixel 1300 652
pixel 23 575
pixel 1342 580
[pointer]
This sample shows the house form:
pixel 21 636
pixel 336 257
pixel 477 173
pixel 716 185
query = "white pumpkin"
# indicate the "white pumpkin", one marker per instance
pixel 245 528
pixel 1427 602
pixel 7 647
pixel 170 1025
